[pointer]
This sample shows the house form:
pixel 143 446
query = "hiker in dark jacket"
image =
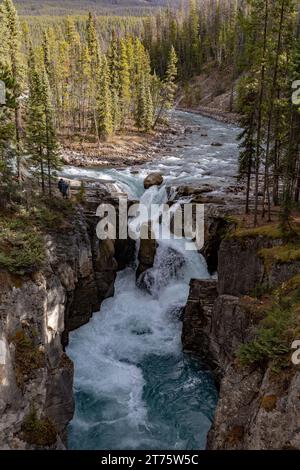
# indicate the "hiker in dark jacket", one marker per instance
pixel 65 190
pixel 60 185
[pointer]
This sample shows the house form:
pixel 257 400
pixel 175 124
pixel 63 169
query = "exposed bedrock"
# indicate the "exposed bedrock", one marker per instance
pixel 258 407
pixel 37 312
pixel 242 268
pixel 147 252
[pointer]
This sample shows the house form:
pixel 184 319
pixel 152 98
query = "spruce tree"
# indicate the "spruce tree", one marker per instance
pixel 114 72
pixel 124 77
pixel 13 41
pixel 105 120
pixel 50 142
pixel 169 86
pixel 94 58
pixel 247 99
pixel 7 136
pixel 149 111
pixel 36 121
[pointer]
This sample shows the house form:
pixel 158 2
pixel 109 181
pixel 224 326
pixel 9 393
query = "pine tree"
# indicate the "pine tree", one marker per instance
pixel 125 92
pixel 258 6
pixel 7 136
pixel 93 42
pixel 247 100
pixel 169 86
pixel 4 50
pixel 36 120
pixel 295 73
pixel 94 58
pixel 149 111
pixel 50 142
pixel 13 40
pixel 284 11
pixel 140 103
pixel 194 46
pixel 144 105
pixel 114 72
pixel 105 120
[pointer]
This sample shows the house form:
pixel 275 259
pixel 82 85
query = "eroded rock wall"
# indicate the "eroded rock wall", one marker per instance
pixel 37 312
pixel 258 407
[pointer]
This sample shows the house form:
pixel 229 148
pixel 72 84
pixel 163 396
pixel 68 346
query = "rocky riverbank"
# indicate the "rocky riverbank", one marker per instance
pixel 254 302
pixel 37 312
pixel 214 113
pixel 128 149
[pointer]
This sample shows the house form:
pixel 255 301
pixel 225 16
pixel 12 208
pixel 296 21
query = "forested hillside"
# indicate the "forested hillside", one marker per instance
pixel 65 7
pixel 95 76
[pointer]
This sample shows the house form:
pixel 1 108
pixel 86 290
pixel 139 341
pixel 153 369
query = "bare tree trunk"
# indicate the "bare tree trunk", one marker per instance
pixel 18 140
pixel 297 187
pixel 266 191
pixel 276 175
pixel 259 120
pixel 248 187
pixel 42 171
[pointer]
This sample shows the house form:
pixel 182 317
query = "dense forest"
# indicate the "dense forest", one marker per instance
pixel 109 7
pixel 94 76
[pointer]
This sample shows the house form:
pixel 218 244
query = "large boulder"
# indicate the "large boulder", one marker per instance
pixel 217 144
pixel 147 251
pixel 154 179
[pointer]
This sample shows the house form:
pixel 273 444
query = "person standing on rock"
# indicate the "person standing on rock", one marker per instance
pixel 60 185
pixel 63 187
pixel 65 190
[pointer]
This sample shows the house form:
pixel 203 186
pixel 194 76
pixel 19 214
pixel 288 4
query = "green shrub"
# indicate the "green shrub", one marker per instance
pixel 260 290
pixel 272 339
pixel 59 205
pixel 38 431
pixel 80 196
pixel 21 251
pixel 281 254
pixel 28 357
pixel 47 218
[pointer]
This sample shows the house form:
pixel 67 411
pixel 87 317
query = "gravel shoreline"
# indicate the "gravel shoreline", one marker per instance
pixel 122 154
pixel 217 114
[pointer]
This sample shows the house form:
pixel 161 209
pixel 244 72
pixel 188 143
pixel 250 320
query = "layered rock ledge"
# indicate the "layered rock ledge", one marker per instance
pixel 258 406
pixel 37 312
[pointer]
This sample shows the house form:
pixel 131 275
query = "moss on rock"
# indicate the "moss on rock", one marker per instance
pixel 269 402
pixel 28 357
pixel 38 431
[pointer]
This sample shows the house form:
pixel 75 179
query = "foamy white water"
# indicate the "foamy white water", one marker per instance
pixel 134 387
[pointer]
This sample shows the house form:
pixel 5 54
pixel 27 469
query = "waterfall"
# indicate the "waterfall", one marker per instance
pixel 134 387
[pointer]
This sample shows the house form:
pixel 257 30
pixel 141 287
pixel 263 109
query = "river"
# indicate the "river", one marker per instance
pixel 134 387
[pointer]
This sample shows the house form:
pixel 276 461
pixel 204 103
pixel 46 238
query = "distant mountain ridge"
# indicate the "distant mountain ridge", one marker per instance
pixel 63 7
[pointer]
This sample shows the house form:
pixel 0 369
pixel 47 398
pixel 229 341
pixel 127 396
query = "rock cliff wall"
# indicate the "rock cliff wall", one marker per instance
pixel 258 407
pixel 37 312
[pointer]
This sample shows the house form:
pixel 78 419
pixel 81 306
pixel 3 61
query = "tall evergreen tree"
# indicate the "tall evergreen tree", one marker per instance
pixel 114 72
pixel 169 86
pixel 124 78
pixel 50 143
pixel 35 121
pixel 247 100
pixel 7 135
pixel 105 119
pixel 13 40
